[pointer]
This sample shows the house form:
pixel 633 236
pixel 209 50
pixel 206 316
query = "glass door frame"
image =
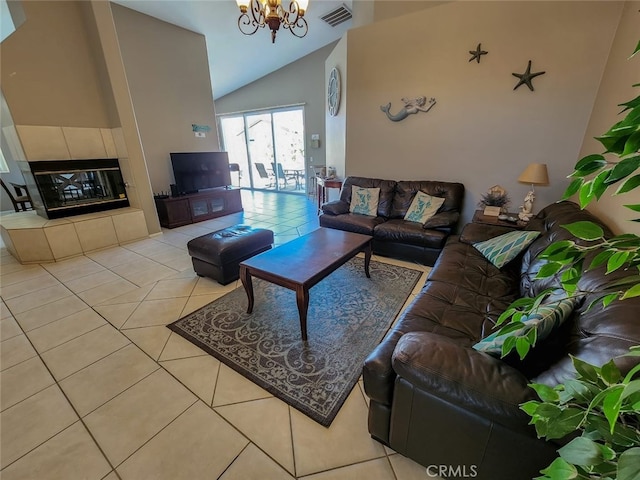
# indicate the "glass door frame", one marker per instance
pixel 275 179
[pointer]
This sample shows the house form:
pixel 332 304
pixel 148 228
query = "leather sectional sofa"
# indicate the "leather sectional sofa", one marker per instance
pixel 392 235
pixel 435 399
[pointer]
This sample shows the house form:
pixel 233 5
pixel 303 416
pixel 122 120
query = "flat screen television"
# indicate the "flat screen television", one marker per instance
pixel 194 171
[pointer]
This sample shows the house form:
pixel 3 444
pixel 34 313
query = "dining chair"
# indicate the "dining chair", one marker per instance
pixel 262 171
pixel 19 201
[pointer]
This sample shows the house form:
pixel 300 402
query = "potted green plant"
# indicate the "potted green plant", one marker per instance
pixel 601 404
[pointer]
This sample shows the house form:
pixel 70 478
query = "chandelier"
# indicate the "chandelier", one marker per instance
pixel 260 13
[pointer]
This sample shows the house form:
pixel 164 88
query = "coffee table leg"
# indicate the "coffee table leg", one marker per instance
pixel 367 259
pixel 302 298
pixel 245 278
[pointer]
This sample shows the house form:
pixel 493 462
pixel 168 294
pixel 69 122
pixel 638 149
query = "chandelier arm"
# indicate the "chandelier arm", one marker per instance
pixel 246 25
pixel 273 14
pixel 298 29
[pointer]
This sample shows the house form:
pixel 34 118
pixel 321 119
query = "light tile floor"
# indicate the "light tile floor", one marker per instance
pixel 94 386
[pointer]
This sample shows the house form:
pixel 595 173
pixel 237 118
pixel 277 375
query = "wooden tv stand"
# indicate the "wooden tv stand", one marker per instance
pixel 197 207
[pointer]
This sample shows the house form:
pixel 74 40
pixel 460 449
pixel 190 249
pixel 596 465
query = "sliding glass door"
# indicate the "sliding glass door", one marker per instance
pixel 268 145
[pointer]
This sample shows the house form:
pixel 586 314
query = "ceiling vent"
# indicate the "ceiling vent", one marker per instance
pixel 337 15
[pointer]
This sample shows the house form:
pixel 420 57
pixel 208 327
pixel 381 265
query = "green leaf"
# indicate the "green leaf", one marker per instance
pixel 522 346
pixel 623 169
pixel 617 260
pixel 549 269
pixel 610 373
pixel 599 186
pixel 556 248
pixel 568 421
pixel 546 393
pixel 612 403
pixel 530 407
pixel 586 370
pixel 573 188
pixel 600 258
pixel 629 465
pixel 631 388
pixel 635 208
pixel 632 292
pixel 581 391
pixel 612 142
pixel 585 230
pixel 586 193
pixel 637 49
pixel 508 345
pixel 632 145
pixel 581 451
pixel 560 470
pixel 630 184
pixel 588 165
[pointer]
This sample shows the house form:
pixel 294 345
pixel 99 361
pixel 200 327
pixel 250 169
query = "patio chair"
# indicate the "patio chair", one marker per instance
pixel 262 171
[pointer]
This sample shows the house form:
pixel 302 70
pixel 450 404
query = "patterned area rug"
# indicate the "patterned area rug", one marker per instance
pixel 348 316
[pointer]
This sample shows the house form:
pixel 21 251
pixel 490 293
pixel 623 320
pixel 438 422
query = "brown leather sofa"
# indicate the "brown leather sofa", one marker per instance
pixel 392 235
pixel 435 399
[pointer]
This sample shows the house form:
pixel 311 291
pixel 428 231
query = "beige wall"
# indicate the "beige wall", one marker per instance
pixel 481 132
pixel 49 69
pixel 168 76
pixel 616 87
pixel 303 82
pixel 336 125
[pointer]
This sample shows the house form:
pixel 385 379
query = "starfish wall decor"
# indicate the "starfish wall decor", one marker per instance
pixel 526 77
pixel 477 53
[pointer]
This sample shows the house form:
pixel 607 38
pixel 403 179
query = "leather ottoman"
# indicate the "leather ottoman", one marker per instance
pixel 218 254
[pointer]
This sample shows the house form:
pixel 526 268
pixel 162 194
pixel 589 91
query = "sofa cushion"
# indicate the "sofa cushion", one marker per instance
pixel 364 201
pixel 504 248
pixel 453 194
pixel 387 189
pixel 411 233
pixel 351 222
pixel 548 317
pixel 423 207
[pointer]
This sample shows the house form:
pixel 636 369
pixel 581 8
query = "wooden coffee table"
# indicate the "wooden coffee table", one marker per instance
pixel 301 263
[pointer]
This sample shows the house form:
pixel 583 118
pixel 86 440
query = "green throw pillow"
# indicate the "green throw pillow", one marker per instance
pixel 364 201
pixel 548 318
pixel 504 248
pixel 423 207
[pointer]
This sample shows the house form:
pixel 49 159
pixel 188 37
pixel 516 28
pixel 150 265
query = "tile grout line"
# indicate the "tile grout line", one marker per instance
pixel 80 419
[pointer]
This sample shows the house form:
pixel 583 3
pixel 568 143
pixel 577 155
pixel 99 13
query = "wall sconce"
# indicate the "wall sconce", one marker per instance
pixel 534 174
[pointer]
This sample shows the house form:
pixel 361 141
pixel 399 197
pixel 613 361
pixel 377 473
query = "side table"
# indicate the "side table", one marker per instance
pixel 323 185
pixel 480 217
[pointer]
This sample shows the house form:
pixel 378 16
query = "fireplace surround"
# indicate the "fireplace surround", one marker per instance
pixel 63 188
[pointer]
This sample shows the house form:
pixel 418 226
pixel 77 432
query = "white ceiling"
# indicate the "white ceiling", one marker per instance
pixel 236 59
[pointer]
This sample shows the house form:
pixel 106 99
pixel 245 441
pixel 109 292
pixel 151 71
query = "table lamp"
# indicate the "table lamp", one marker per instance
pixel 535 174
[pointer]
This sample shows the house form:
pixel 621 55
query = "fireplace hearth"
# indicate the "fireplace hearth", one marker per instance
pixel 62 188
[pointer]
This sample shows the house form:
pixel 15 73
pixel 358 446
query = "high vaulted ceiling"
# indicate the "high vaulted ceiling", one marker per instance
pixel 236 59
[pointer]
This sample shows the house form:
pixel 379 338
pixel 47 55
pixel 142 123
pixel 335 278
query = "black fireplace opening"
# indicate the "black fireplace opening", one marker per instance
pixel 62 188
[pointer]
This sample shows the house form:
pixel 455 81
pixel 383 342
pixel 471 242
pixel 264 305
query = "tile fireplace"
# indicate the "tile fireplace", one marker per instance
pixel 63 188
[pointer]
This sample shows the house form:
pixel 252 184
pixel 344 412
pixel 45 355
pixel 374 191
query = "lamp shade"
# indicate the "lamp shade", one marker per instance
pixel 535 174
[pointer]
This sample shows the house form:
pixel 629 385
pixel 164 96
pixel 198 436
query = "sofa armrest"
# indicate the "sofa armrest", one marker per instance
pixel 475 232
pixel 464 377
pixel 442 220
pixel 337 207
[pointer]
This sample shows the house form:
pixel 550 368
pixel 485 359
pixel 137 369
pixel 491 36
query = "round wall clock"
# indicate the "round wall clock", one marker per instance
pixel 333 92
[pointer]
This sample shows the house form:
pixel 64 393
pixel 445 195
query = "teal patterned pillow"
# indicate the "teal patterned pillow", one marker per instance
pixel 548 318
pixel 364 201
pixel 501 250
pixel 423 207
